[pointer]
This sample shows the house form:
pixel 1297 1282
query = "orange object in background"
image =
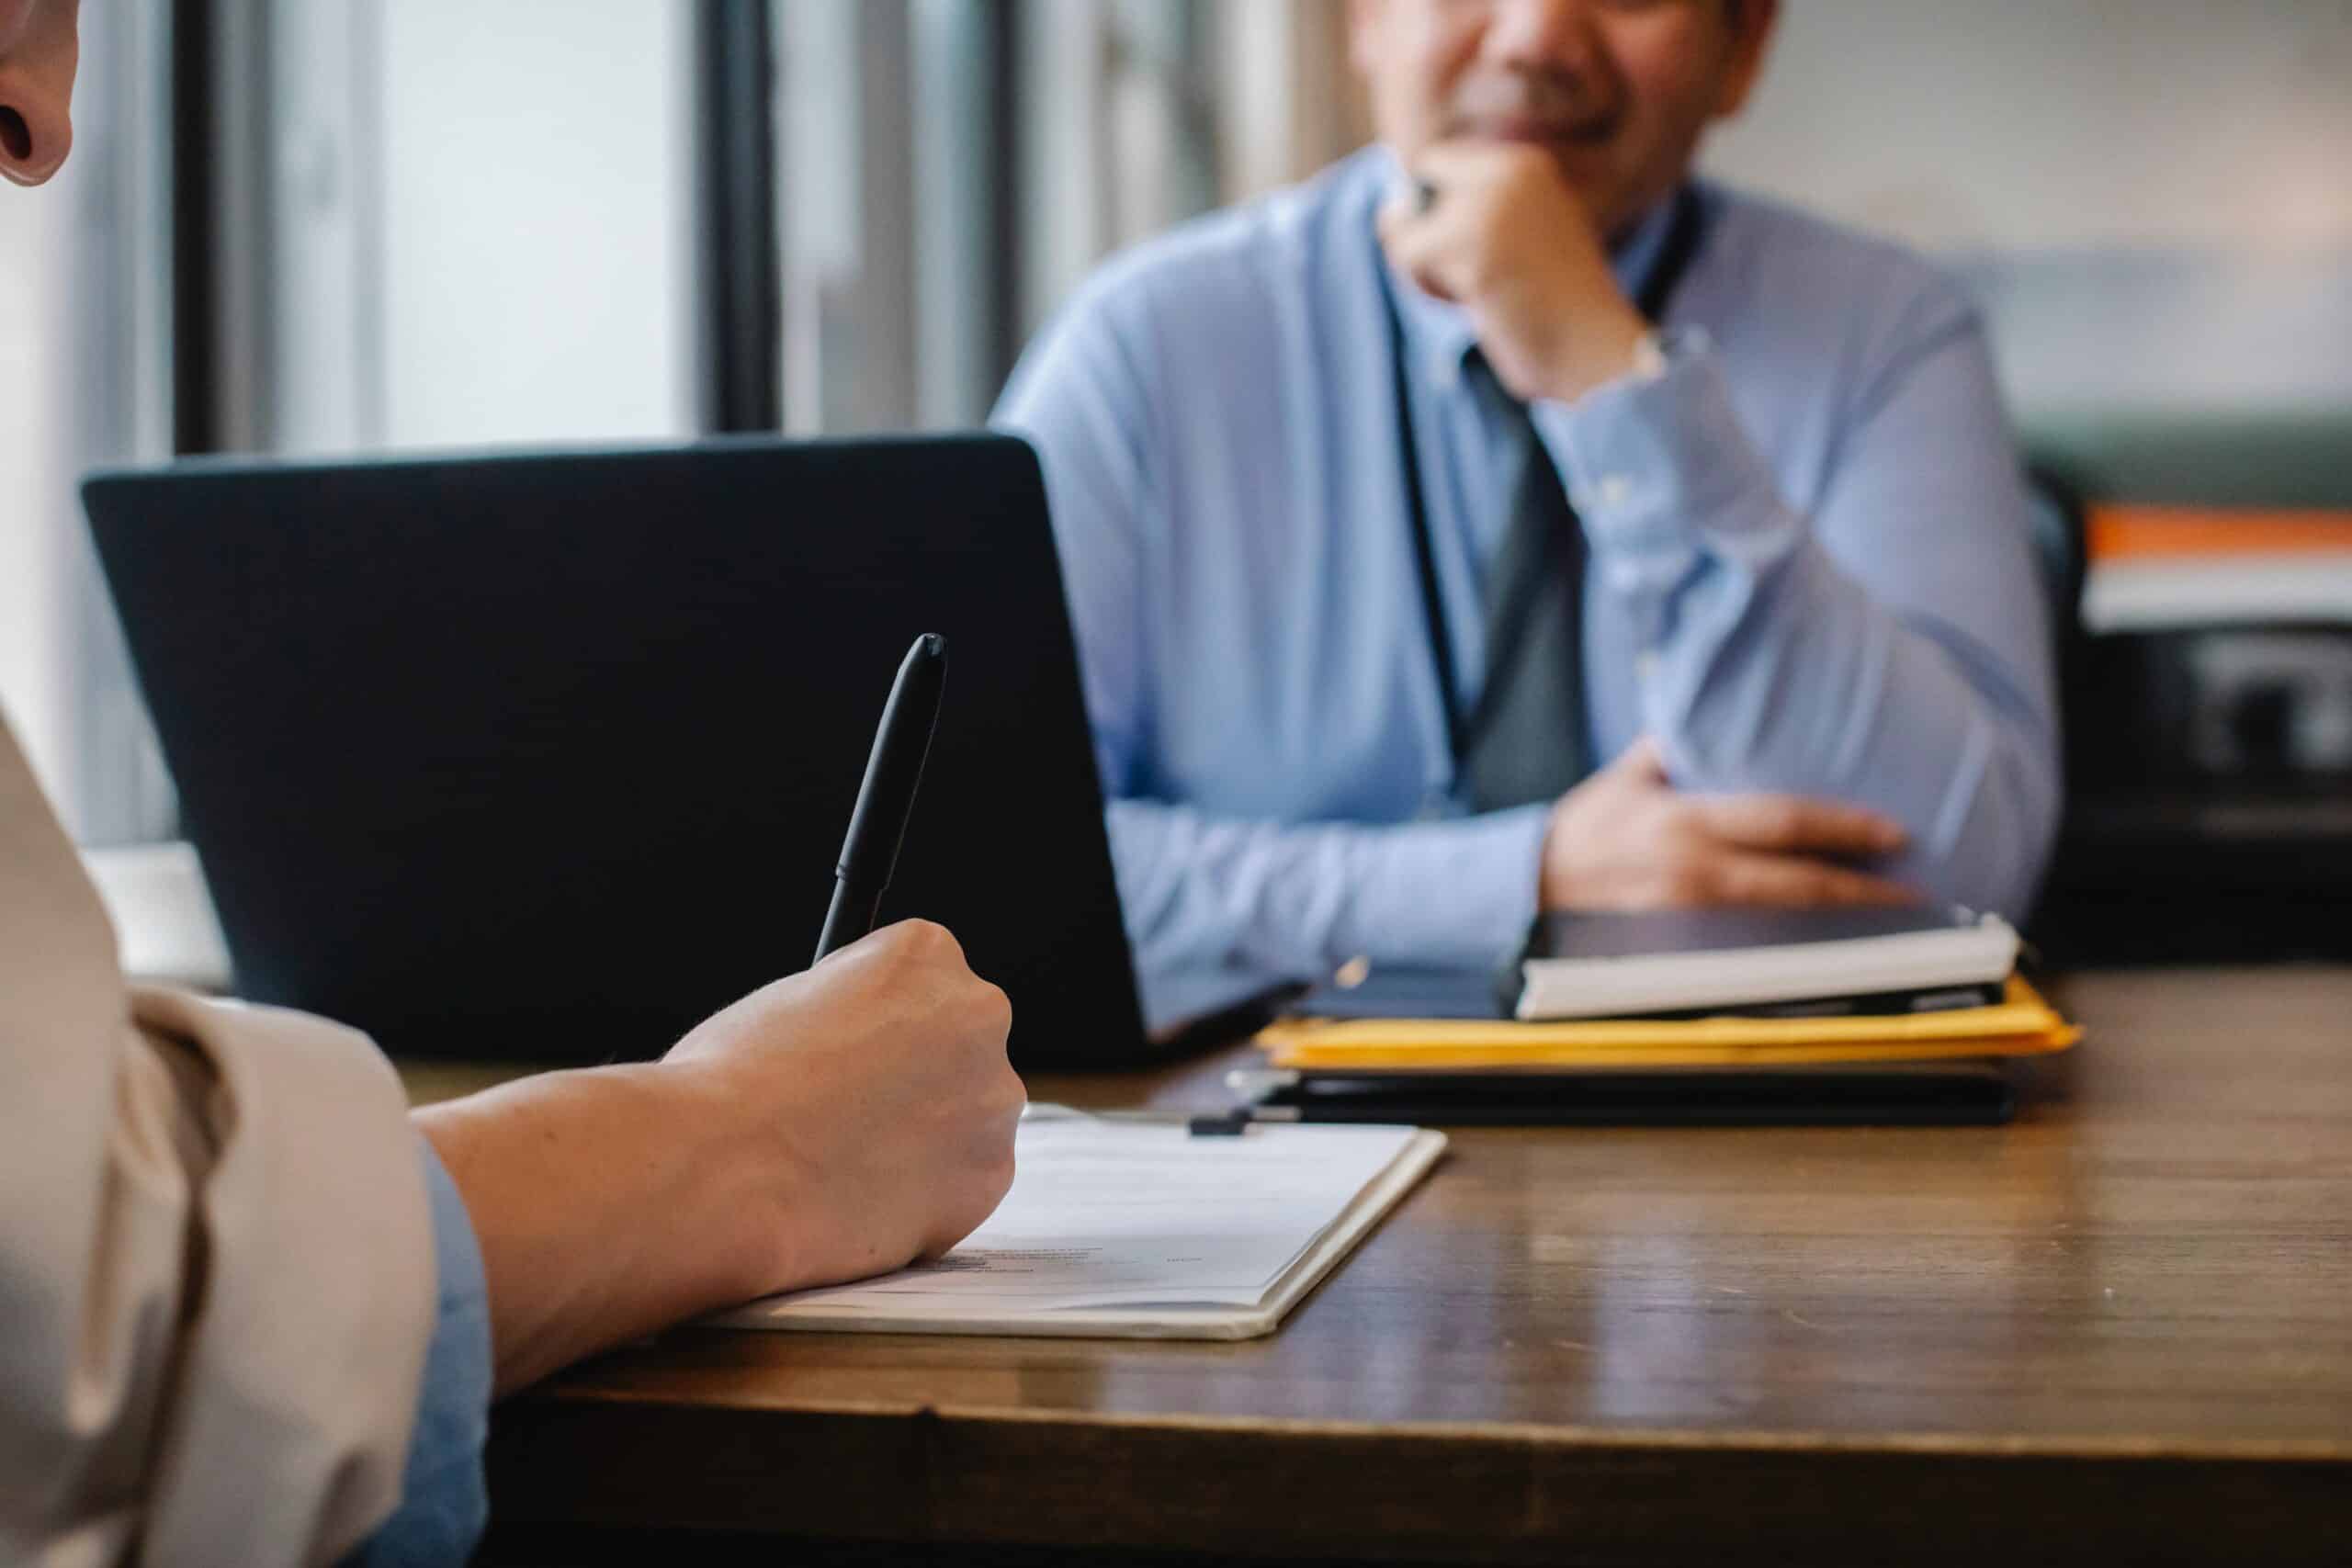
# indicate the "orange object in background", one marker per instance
pixel 2118 532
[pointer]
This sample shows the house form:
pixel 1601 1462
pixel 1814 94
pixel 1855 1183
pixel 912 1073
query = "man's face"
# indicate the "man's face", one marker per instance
pixel 1617 91
pixel 38 49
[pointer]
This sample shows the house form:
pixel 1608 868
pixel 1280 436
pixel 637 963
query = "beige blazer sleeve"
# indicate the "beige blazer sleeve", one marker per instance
pixel 216 1262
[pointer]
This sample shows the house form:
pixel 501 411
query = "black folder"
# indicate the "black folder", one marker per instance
pixel 1925 1095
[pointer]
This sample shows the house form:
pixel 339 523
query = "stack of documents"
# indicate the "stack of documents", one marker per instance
pixel 2021 1025
pixel 1139 1229
pixel 1722 1016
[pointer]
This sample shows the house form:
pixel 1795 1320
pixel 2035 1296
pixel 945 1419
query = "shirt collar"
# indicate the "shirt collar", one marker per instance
pixel 1440 334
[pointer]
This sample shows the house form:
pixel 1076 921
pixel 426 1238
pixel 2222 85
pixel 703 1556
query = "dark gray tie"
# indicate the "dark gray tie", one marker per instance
pixel 1525 740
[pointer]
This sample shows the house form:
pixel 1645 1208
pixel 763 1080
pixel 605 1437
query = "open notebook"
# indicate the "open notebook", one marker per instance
pixel 1138 1229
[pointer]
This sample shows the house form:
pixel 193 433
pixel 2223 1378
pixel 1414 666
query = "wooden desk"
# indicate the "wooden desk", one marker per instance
pixel 2118 1331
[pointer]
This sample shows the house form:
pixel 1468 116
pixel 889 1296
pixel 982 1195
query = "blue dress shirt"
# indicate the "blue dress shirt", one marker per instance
pixel 443 1500
pixel 1810 570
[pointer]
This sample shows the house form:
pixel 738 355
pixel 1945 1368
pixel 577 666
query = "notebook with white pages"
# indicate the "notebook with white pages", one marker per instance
pixel 1128 1228
pixel 1669 961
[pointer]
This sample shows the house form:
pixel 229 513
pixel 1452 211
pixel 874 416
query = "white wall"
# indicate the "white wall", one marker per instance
pixel 2041 123
pixel 2151 196
pixel 537 191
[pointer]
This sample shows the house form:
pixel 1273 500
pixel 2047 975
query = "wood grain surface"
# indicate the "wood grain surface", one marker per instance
pixel 2121 1327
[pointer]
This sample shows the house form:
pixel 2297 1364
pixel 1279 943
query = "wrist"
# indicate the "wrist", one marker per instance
pixel 1552 878
pixel 609 1203
pixel 739 1178
pixel 1606 347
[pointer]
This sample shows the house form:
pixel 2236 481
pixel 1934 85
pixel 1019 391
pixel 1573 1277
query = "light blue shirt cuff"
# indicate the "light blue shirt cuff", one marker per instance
pixel 445 1500
pixel 1661 471
pixel 1457 893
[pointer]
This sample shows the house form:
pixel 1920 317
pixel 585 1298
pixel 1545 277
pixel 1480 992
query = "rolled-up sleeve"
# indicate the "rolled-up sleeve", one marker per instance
pixel 217 1288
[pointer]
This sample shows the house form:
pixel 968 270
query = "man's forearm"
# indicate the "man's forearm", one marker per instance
pixel 1296 900
pixel 1803 684
pixel 609 1202
pixel 1771 666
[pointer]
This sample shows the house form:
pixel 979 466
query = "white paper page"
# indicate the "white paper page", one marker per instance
pixel 1110 1213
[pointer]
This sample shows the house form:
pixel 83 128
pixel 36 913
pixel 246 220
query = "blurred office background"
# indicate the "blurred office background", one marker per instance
pixel 325 226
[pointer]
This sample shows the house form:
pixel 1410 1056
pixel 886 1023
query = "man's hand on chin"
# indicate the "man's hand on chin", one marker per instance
pixel 1626 839
pixel 1501 233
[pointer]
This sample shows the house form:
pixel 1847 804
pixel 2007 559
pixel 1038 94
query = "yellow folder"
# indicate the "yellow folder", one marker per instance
pixel 2022 1024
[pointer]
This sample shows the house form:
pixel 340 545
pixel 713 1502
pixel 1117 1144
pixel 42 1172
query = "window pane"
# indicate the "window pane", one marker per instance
pixel 538 188
pixel 483 224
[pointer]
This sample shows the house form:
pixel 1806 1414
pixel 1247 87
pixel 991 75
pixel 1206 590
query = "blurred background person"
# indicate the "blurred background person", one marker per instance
pixel 1504 521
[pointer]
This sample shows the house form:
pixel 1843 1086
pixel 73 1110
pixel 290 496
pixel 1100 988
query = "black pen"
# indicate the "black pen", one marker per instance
pixel 886 798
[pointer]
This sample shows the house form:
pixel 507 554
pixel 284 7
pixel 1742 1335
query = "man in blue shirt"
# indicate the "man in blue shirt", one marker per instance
pixel 1504 520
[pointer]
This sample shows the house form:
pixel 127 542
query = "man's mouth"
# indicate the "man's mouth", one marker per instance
pixel 1553 111
pixel 1542 129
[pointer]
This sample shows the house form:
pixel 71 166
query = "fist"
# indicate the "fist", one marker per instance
pixel 880 1098
pixel 1626 839
pixel 1503 236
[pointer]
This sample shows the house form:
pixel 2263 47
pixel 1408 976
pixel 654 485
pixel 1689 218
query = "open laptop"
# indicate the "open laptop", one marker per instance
pixel 550 755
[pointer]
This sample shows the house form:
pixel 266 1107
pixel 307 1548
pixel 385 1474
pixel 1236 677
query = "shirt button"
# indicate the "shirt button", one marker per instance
pixel 1614 489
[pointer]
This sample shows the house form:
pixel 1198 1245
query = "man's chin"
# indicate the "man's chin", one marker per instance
pixel 1588 165
pixel 1589 171
pixel 1585 162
